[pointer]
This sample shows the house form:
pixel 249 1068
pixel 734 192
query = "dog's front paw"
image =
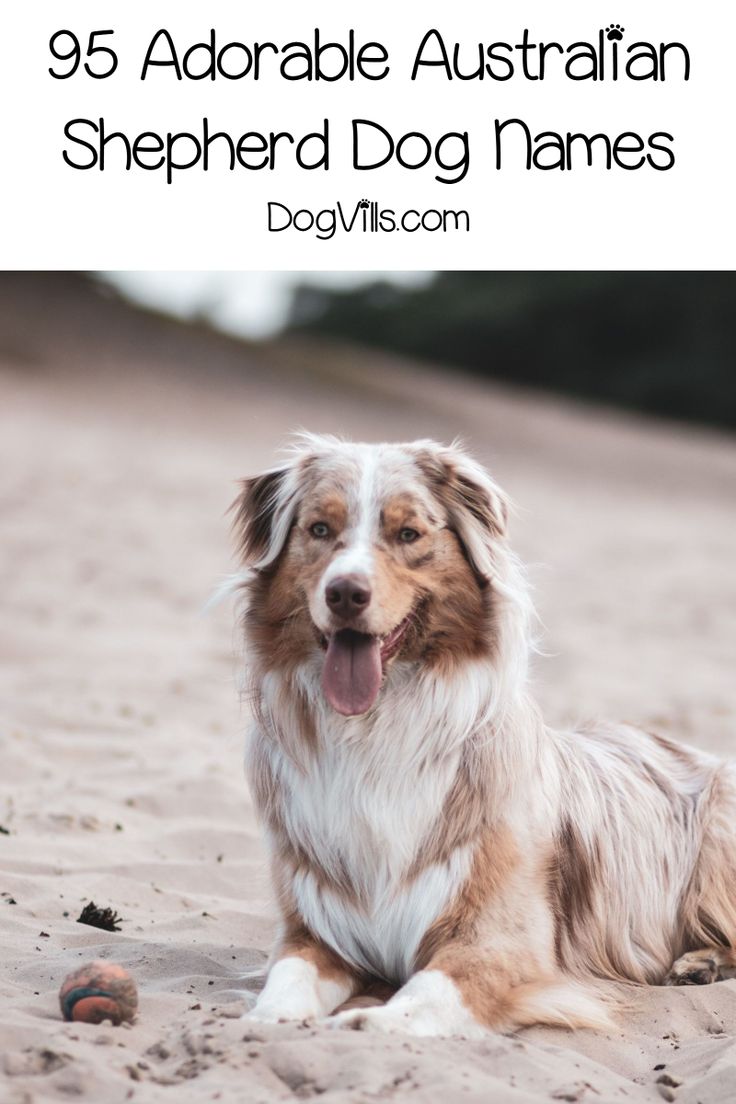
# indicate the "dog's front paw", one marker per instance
pixel 294 1009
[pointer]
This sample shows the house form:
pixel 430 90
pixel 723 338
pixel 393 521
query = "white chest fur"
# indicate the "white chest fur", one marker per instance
pixel 362 824
pixel 384 936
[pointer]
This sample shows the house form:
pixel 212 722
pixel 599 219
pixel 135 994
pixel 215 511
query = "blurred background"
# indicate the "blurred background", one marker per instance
pixel 658 342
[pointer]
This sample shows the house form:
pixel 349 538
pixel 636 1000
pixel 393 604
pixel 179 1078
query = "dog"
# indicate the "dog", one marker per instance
pixel 426 829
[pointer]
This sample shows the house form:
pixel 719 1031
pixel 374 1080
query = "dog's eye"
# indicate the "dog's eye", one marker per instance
pixel 320 530
pixel 406 536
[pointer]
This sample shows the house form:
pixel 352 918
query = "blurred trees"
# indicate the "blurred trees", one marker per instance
pixel 659 342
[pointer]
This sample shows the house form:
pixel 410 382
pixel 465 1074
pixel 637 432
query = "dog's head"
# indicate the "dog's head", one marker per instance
pixel 367 555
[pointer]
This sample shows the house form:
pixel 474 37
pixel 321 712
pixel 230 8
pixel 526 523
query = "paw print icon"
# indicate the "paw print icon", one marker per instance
pixel 615 32
pixel 363 203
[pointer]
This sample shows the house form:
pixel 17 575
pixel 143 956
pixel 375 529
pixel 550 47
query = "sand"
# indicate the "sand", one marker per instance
pixel 122 436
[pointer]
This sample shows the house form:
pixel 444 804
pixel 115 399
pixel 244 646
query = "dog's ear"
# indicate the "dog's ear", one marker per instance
pixel 477 509
pixel 266 508
pixel 263 515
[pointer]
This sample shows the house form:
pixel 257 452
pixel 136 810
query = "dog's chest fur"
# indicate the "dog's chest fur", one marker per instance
pixel 366 890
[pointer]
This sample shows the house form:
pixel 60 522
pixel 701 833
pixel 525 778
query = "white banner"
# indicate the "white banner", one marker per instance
pixel 240 136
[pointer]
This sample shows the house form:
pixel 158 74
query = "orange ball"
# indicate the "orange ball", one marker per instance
pixel 99 991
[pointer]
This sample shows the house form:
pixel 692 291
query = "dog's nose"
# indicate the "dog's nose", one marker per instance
pixel 348 595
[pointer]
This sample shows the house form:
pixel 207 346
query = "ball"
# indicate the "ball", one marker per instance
pixel 99 991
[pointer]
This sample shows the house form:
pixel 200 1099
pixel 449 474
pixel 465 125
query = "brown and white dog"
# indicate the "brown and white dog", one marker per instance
pixel 427 830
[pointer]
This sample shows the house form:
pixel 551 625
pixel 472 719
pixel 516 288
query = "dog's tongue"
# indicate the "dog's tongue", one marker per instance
pixel 351 677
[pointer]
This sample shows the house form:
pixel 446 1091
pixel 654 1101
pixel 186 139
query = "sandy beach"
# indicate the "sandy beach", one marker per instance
pixel 123 435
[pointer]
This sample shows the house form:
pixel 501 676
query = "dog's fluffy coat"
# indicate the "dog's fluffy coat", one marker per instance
pixel 445 841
